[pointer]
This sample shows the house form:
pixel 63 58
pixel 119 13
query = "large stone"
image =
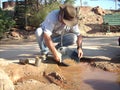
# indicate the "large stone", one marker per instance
pixel 5 82
pixel 99 10
pixel 15 35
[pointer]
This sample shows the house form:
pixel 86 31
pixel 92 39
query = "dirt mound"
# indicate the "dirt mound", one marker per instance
pixel 46 76
pixel 91 19
pixel 50 75
pixel 5 82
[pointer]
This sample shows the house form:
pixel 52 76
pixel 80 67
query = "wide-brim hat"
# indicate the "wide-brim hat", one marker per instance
pixel 69 15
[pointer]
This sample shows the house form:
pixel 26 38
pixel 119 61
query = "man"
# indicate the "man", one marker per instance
pixel 59 26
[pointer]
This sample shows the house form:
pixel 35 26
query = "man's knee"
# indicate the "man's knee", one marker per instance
pixel 70 39
pixel 38 31
pixel 74 38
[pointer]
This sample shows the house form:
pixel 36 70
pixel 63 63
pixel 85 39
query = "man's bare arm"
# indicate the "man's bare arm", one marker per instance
pixel 79 46
pixel 50 45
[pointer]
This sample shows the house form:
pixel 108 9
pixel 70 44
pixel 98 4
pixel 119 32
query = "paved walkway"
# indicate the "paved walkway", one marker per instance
pixel 92 47
pixel 101 47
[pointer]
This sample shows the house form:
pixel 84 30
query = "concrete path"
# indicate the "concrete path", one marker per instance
pixel 101 47
pixel 92 47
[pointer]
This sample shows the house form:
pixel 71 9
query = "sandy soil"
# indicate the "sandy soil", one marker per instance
pixel 78 76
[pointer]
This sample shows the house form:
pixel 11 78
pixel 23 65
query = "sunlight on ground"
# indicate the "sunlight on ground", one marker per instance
pixel 92 47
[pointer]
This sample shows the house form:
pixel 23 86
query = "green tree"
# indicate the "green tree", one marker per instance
pixel 6 22
pixel 36 10
pixel 69 1
pixel 37 17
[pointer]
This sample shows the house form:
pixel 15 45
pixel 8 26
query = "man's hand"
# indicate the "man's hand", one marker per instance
pixel 58 57
pixel 80 53
pixel 48 41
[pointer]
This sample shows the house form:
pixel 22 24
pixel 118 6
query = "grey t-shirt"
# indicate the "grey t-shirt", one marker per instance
pixel 52 26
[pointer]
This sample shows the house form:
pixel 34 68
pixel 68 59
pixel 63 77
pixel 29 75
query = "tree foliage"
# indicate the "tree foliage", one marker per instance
pixel 69 1
pixel 43 9
pixel 36 10
pixel 6 22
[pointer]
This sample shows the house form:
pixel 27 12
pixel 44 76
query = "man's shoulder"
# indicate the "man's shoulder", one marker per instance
pixel 75 26
pixel 53 15
pixel 54 12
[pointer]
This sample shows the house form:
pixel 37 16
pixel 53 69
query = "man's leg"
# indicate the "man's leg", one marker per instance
pixel 39 35
pixel 68 39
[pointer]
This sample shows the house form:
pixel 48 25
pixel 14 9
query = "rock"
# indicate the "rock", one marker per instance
pixel 16 35
pixel 99 10
pixel 56 78
pixel 29 28
pixel 5 82
pixel 24 61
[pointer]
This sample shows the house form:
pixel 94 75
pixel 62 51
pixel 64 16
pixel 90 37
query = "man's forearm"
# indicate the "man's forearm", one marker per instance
pixel 79 41
pixel 79 46
pixel 50 44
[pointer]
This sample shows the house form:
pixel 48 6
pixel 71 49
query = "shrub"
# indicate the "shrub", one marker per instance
pixel 39 16
pixel 6 22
